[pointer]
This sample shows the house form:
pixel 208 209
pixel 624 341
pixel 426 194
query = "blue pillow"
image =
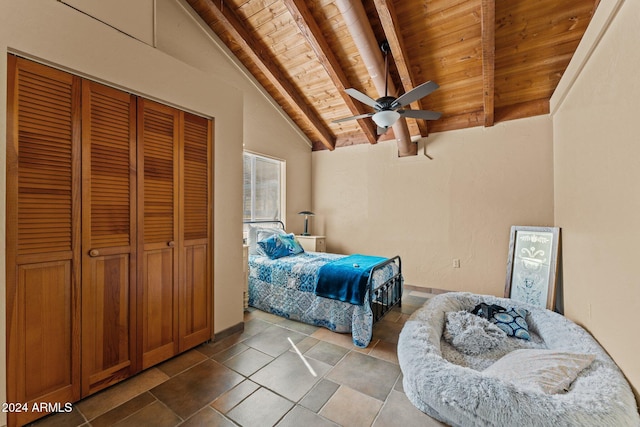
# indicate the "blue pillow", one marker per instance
pixel 273 247
pixel 290 241
pixel 512 322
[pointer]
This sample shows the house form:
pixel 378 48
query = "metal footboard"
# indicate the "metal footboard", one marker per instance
pixel 386 296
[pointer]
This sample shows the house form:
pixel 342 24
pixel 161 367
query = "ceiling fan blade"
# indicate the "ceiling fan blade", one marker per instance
pixel 414 94
pixel 382 131
pixel 360 116
pixel 420 114
pixel 367 100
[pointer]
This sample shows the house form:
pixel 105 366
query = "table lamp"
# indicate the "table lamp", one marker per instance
pixel 306 214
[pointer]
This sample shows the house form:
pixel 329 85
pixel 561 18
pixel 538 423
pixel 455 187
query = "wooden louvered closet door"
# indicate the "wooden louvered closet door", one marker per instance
pixel 43 236
pixel 157 297
pixel 195 231
pixel 108 236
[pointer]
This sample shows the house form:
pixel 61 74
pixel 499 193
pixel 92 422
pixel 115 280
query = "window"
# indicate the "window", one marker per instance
pixel 263 188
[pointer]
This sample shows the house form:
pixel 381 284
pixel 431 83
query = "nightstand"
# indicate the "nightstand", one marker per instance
pixel 313 243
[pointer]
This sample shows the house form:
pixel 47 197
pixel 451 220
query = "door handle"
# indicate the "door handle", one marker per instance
pixel 171 244
pixel 94 253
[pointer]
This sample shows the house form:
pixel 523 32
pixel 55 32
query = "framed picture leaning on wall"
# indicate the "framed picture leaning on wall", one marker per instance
pixel 532 265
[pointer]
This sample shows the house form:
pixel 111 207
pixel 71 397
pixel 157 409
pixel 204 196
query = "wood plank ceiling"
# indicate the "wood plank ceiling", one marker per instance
pixel 494 60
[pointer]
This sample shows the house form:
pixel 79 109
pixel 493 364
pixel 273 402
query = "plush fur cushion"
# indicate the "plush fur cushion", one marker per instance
pixel 449 385
pixel 549 371
pixel 472 334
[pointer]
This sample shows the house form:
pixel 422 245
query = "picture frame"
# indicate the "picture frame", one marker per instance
pixel 532 265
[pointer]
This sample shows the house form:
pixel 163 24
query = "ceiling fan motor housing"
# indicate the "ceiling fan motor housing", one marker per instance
pixel 385 103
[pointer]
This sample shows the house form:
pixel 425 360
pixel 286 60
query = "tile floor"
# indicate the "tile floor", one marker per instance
pixel 256 379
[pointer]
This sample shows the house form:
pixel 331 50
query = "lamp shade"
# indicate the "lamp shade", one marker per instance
pixel 385 118
pixel 306 214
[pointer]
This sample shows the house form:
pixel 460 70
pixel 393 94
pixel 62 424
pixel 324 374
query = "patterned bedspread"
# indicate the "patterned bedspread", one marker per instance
pixel 286 286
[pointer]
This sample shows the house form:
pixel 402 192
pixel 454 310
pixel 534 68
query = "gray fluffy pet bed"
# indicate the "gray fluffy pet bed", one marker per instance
pixel 449 385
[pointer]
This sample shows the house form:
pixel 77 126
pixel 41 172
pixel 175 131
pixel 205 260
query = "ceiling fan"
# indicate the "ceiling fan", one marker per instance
pixel 388 109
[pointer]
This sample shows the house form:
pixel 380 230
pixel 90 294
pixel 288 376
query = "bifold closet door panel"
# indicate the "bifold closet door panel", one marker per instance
pixel 196 213
pixel 43 237
pixel 108 236
pixel 157 296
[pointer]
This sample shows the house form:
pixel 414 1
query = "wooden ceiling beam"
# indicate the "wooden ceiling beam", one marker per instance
pixel 312 33
pixel 256 50
pixel 488 36
pixel 390 25
pixel 536 107
pixel 359 27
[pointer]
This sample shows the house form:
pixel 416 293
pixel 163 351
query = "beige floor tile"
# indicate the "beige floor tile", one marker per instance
pixel 350 408
pixel 182 362
pixel 229 352
pixel 230 399
pixel 108 399
pixel 319 395
pixel 387 331
pixel 212 348
pixel 248 362
pixel 156 415
pixel 262 408
pixel 305 344
pixel 273 340
pixel 420 294
pixel 399 386
pixel 289 376
pixel 61 419
pixel 408 309
pixel 208 417
pixel 268 317
pixel 327 352
pixel 254 326
pixel 371 376
pixel 197 387
pixel 123 411
pixel 298 326
pixel 413 300
pixel 355 386
pixel 386 351
pixel 343 340
pixel 300 416
pixel 403 318
pixel 392 316
pixel 399 411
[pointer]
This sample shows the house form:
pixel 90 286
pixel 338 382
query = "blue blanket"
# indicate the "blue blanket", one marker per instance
pixel 346 278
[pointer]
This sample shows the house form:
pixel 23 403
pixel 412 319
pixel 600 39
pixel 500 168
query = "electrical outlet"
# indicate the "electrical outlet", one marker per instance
pixel 456 263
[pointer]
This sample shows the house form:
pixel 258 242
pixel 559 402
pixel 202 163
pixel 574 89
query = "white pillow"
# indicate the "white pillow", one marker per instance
pixel 549 371
pixel 257 234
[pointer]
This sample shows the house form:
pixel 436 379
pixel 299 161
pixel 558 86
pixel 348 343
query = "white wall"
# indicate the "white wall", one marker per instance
pixel 266 130
pixel 138 21
pixel 459 205
pixel 54 33
pixel 597 190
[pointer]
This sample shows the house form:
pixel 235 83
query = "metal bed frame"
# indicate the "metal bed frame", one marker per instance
pixel 389 294
pixel 381 299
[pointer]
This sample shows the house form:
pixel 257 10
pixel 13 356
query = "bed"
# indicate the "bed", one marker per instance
pixel 298 286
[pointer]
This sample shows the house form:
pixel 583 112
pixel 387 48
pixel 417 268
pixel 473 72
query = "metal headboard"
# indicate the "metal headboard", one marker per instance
pixel 274 222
